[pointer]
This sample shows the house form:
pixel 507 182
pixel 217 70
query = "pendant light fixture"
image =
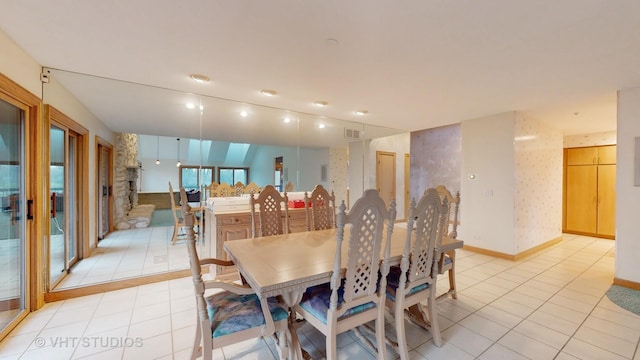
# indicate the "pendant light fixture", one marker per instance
pixel 158 151
pixel 178 163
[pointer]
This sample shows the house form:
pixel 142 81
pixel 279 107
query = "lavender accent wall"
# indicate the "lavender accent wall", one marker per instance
pixel 436 158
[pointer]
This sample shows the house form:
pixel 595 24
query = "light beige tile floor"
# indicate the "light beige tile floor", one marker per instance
pixel 129 253
pixel 551 305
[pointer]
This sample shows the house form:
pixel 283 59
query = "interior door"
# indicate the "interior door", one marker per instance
pixel 386 175
pixel 104 190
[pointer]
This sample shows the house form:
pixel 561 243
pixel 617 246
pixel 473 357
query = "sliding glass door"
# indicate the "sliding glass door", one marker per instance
pixel 57 264
pixel 63 176
pixel 13 239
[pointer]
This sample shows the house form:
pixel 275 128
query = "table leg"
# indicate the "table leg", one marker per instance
pixel 293 298
pixel 416 316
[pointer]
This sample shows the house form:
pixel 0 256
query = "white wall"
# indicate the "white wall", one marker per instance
pixel 57 96
pixel 627 195
pixel 18 66
pixel 338 173
pixel 21 68
pixel 263 162
pixel 155 178
pixel 594 139
pixel 398 144
pixel 538 183
pixel 487 205
pixel 311 161
pixel 357 169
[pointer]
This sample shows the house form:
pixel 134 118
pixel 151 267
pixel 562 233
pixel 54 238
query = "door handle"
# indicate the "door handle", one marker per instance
pixel 29 209
pixel 53 205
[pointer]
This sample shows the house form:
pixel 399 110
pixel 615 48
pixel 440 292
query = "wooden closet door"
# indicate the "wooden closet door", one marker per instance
pixel 607 154
pixel 607 200
pixel 581 210
pixel 582 156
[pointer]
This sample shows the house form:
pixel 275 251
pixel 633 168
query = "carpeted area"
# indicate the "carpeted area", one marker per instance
pixel 628 299
pixel 161 217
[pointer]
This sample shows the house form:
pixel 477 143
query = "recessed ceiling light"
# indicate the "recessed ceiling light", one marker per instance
pixel 191 106
pixel 199 78
pixel 269 92
pixel 320 103
pixel 244 113
pixel 321 126
pixel 287 120
pixel 361 112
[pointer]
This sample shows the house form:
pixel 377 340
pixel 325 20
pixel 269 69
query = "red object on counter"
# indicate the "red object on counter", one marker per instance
pixel 297 204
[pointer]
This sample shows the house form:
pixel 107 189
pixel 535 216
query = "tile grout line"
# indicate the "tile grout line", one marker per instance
pixel 533 277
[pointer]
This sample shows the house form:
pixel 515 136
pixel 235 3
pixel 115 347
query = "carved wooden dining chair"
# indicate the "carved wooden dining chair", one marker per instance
pixel 447 260
pixel 272 214
pixel 353 296
pixel 414 280
pixel 251 189
pixel 224 190
pixel 234 313
pixel 320 209
pixel 212 188
pixel 178 220
pixel 238 188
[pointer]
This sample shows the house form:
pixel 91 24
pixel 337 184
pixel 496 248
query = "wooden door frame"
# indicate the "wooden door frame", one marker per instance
pixel 378 154
pixel 102 143
pixel 34 152
pixel 55 117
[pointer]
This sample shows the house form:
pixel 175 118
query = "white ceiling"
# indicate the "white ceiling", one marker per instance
pixel 413 64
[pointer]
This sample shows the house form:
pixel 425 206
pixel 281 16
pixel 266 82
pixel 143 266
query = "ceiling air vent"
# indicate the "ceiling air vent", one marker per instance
pixel 351 134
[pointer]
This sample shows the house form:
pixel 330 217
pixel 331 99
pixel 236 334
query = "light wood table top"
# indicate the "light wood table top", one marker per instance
pixel 276 264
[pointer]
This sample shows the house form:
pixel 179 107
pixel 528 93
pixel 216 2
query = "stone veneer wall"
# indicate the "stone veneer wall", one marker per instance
pixel 125 170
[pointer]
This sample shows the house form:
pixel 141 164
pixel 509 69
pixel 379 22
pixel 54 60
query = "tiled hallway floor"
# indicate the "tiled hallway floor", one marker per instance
pixel 129 253
pixel 551 305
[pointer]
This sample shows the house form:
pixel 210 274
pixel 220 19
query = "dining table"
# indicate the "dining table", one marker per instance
pixel 286 265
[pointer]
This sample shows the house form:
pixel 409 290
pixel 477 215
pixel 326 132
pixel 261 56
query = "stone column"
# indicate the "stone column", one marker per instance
pixel 125 170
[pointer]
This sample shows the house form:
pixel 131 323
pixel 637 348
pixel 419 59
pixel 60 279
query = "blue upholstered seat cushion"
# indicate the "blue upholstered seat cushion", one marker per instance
pixel 447 259
pixel 393 281
pixel 230 313
pixel 316 301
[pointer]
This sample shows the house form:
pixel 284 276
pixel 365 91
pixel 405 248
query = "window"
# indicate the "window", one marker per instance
pixel 193 177
pixel 233 175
